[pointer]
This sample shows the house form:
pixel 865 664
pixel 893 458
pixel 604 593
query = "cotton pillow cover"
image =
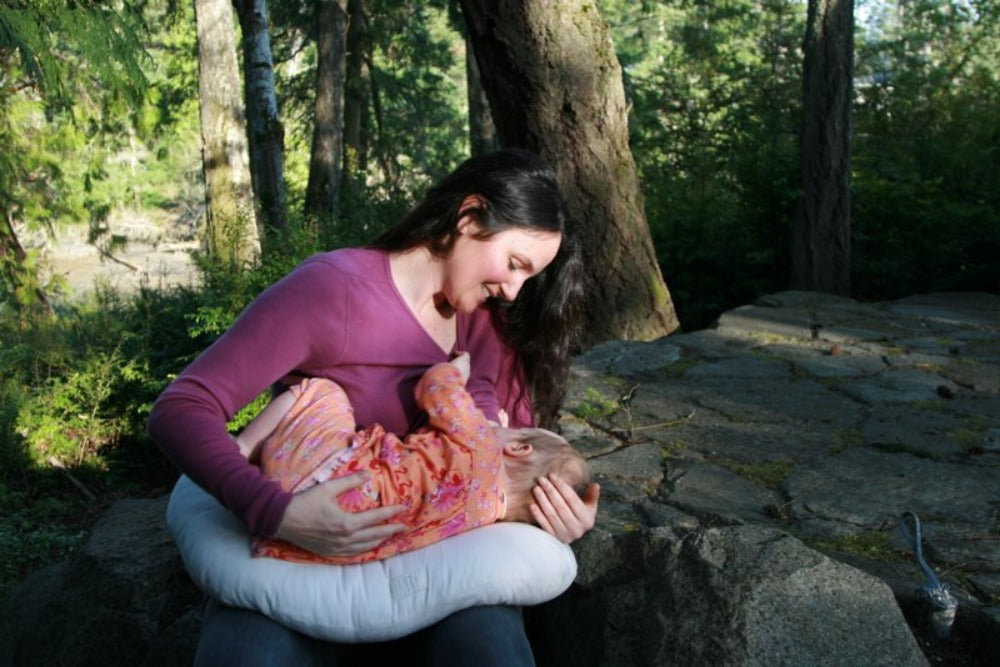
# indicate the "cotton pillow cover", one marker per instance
pixel 504 563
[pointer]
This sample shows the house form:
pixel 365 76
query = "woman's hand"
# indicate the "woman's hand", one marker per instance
pixel 315 521
pixel 560 511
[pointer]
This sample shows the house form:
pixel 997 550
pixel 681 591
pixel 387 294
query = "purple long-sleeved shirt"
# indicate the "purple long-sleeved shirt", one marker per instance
pixel 339 316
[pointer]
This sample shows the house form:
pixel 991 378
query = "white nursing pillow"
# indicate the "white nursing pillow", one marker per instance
pixel 505 563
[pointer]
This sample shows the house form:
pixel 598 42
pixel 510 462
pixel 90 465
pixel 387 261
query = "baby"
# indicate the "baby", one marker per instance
pixel 459 472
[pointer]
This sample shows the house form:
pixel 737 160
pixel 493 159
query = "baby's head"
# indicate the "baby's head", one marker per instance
pixel 531 453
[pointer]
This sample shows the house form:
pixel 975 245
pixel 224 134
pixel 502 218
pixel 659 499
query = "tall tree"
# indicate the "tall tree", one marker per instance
pixel 265 132
pixel 821 232
pixel 555 86
pixel 357 89
pixel 233 236
pixel 326 159
pixel 482 130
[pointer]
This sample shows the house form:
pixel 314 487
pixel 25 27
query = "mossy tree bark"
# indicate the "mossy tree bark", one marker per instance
pixel 555 86
pixel 232 233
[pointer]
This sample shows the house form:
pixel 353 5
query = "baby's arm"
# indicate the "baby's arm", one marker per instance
pixel 441 393
pixel 263 425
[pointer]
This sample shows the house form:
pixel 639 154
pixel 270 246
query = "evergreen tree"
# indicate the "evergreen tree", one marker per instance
pixel 326 157
pixel 59 64
pixel 821 236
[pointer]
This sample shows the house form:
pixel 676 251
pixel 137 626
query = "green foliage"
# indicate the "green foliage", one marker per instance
pixel 714 88
pixel 72 75
pixel 419 75
pixel 927 152
pixel 102 44
pixel 68 417
pixel 715 91
pixel 79 384
pixel 416 123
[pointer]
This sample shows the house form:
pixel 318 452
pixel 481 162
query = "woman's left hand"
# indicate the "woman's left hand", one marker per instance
pixel 560 511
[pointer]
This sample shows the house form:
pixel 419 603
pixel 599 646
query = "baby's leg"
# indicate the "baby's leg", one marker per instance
pixel 309 442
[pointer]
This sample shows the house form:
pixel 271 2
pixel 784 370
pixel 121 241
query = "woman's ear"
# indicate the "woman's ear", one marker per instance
pixel 516 448
pixel 468 213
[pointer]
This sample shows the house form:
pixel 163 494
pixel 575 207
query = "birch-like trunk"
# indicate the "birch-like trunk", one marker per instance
pixel 264 129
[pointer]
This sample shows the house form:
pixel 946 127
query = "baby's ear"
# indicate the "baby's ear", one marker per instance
pixel 517 448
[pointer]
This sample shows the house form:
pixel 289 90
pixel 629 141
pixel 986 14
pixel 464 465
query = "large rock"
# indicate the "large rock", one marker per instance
pixel 731 595
pixel 738 595
pixel 109 604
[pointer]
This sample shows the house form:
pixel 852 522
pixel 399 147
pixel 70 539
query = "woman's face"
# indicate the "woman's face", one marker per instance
pixel 495 266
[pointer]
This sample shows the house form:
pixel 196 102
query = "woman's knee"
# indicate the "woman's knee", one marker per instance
pixel 481 636
pixel 233 636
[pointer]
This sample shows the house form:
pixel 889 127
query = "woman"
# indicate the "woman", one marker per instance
pixel 373 320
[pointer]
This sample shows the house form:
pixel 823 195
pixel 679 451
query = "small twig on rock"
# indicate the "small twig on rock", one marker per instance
pixel 627 439
pixel 666 424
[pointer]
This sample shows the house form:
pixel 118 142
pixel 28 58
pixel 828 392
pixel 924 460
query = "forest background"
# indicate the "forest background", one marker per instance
pixel 99 123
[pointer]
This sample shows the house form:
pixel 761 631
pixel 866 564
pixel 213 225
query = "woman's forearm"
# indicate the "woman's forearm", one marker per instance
pixel 199 445
pixel 274 336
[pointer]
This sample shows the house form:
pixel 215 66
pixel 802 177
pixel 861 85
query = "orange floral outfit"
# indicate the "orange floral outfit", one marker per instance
pixel 447 474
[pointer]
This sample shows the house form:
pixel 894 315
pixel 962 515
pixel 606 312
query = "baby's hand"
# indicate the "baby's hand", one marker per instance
pixel 461 361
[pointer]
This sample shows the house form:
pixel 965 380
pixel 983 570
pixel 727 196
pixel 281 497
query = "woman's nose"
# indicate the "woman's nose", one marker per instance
pixel 512 287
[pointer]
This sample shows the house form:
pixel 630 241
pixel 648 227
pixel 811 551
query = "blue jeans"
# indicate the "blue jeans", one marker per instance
pixel 480 636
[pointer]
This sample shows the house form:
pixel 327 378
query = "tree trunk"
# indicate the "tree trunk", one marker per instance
pixel 555 86
pixel 356 90
pixel 482 130
pixel 265 132
pixel 326 159
pixel 232 234
pixel 821 234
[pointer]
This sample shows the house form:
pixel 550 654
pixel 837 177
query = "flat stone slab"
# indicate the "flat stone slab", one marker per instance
pixel 925 430
pixel 883 486
pixel 903 385
pixel 822 416
pixel 628 358
pixel 954 310
pixel 712 492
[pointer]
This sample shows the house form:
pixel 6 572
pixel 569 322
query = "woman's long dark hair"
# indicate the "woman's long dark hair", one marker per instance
pixel 520 192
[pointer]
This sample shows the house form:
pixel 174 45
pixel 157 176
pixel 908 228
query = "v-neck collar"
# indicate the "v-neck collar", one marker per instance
pixel 459 316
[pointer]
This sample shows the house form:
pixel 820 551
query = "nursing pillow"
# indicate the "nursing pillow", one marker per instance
pixel 504 563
